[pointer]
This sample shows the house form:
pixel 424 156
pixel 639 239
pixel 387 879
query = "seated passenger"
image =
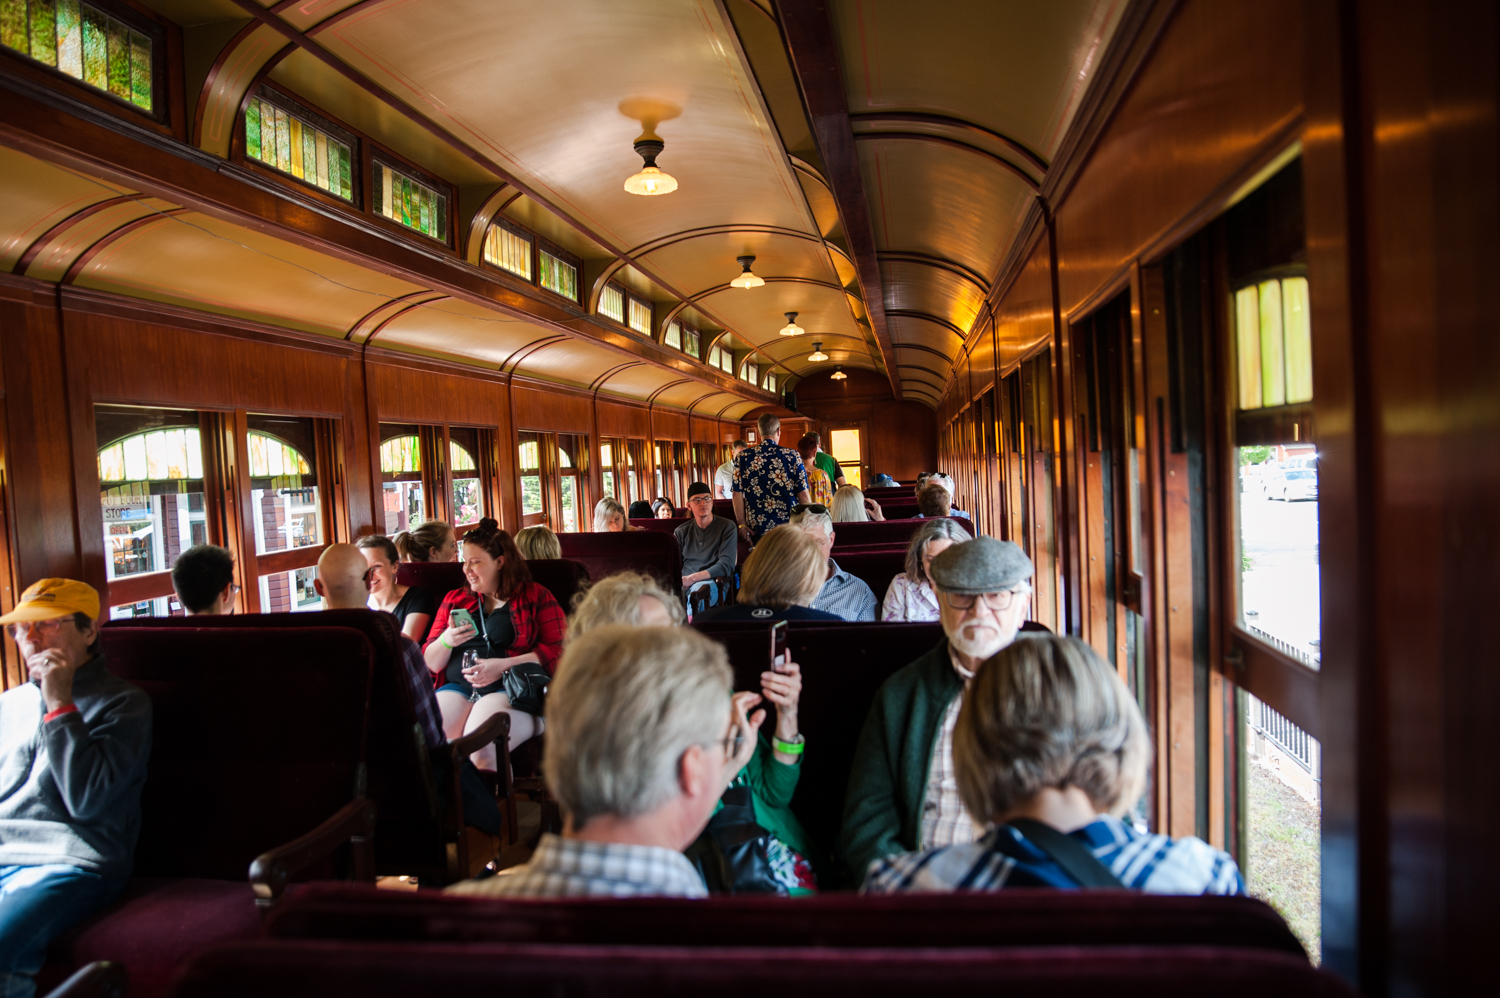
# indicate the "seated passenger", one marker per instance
pixel 883 482
pixel 709 543
pixel 432 541
pixel 1050 746
pixel 947 483
pixel 74 742
pixel 724 476
pixel 819 482
pixel 783 575
pixel 910 597
pixel 661 508
pixel 851 506
pixel 609 516
pixel 933 500
pixel 203 578
pixel 902 795
pixel 643 742
pixel 642 510
pixel 502 619
pixel 842 595
pixel 624 598
pixel 538 543
pixel 412 606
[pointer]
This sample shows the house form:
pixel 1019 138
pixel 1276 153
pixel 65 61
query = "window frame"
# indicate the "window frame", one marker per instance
pixel 379 156
pixel 280 99
pixel 533 255
pixel 571 259
pixel 624 304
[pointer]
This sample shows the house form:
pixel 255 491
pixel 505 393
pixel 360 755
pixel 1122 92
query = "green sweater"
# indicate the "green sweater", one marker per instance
pixel 888 784
pixel 772 784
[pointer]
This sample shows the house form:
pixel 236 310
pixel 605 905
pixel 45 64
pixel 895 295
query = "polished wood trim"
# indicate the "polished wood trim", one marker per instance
pixel 1290 687
pixel 702 232
pixel 371 315
pixel 936 320
pixel 489 209
pixel 948 121
pixel 136 588
pixel 941 263
pixel 926 370
pixel 398 313
pixel 927 349
pixel 944 140
pixel 273 562
pixel 598 382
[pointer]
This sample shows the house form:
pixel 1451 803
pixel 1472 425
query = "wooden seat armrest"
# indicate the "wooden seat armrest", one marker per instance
pixel 354 823
pixel 100 979
pixel 496 729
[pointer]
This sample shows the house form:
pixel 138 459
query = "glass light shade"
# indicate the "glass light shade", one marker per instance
pixel 651 181
pixel 817 356
pixel 746 280
pixel 837 375
pixel 791 328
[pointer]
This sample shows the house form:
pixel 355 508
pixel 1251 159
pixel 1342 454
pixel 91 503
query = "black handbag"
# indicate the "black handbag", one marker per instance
pixel 733 852
pixel 525 684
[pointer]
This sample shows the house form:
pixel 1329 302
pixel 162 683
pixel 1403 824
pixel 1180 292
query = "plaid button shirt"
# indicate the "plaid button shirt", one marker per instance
pixel 1004 857
pixel 945 820
pixel 562 868
pixel 423 696
pixel 845 596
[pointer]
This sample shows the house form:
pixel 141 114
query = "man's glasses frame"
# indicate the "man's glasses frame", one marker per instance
pixel 998 601
pixel 42 627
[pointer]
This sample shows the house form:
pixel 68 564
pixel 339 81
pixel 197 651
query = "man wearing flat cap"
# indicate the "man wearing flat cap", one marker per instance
pixel 903 795
pixel 73 748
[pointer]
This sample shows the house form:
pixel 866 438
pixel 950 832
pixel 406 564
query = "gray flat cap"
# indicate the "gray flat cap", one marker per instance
pixel 983 565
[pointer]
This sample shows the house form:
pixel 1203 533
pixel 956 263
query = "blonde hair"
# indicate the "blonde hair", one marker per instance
pixel 786 568
pixel 626 703
pixel 1047 711
pixel 604 509
pixel 538 542
pixel 617 600
pixel 418 543
pixel 849 505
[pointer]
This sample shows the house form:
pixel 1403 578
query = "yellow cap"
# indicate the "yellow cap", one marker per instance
pixel 51 598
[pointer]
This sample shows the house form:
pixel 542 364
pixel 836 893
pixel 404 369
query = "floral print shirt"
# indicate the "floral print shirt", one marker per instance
pixel 769 476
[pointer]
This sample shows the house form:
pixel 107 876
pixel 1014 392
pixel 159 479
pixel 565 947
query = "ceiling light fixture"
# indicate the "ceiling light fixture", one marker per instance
pixel 837 375
pixel 650 180
pixel 746 279
pixel 817 356
pixel 791 328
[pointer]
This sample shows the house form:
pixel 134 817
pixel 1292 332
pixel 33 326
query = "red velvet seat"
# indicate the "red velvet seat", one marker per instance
pixel 1011 918
pixel 876 568
pixel 889 533
pixel 291 969
pixel 559 576
pixel 647 551
pixel 660 526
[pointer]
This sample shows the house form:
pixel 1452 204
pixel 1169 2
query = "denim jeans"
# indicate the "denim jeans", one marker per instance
pixel 37 904
pixel 710 585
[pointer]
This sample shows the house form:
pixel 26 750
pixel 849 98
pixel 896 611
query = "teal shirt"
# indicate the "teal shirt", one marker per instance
pixel 772 784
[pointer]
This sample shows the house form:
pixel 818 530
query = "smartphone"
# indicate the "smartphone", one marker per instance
pixel 778 645
pixel 461 616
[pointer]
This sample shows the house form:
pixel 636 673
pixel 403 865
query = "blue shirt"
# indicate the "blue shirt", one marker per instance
pixel 845 596
pixel 769 476
pixel 1004 857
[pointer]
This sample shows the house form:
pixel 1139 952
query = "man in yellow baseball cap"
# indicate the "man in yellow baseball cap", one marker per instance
pixel 77 740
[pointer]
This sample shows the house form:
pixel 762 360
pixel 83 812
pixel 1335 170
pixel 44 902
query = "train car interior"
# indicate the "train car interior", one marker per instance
pixel 1149 338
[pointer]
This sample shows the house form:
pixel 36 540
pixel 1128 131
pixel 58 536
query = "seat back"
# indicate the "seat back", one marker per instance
pixel 649 552
pixel 440 577
pixel 559 576
pixel 842 667
pixel 1010 918
pixel 660 526
pixel 886 533
pixel 258 737
pixel 899 509
pixel 875 567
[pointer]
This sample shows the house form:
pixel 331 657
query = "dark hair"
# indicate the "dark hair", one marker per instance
pixel 418 543
pixel 381 543
pixel 82 620
pixel 641 510
pixel 808 446
pixel 658 503
pixel 499 545
pixel 200 575
pixel 933 500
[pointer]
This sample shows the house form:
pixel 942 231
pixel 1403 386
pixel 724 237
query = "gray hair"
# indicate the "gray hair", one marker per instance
pixel 768 424
pixel 849 505
pixel 603 509
pixel 617 600
pixel 626 703
pixel 807 519
pixel 930 530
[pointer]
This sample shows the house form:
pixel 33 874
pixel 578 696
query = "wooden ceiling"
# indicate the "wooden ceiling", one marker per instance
pixel 877 157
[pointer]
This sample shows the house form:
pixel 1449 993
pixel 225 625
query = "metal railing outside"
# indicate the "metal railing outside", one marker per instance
pixel 1292 740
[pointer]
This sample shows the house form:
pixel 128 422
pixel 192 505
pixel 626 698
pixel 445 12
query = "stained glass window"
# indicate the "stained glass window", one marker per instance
pixel 770 385
pixel 751 373
pixel 690 341
pixel 84 42
pixel 401 454
pixel 726 361
pixel 292 145
pixel 508 250
pixel 271 458
pixel 672 335
pixel 559 276
pixel 1273 343
pixel 411 202
pixel 640 316
pixel 612 303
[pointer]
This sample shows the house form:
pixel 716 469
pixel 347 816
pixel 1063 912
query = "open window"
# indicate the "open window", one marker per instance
pixel 287 515
pixel 403 498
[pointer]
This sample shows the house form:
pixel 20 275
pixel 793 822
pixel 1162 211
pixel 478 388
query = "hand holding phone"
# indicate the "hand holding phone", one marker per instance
pixel 460 627
pixel 778 645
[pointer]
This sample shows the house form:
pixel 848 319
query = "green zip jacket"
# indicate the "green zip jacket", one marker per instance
pixel 888 784
pixel 772 784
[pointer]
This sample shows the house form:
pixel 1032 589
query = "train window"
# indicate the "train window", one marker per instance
pixel 83 41
pixel 1273 341
pixel 846 448
pixel 559 276
pixel 663 453
pixel 530 465
pixel 690 341
pixel 287 513
pixel 415 204
pixel 612 303
pixel 403 500
pixel 672 335
pixel 682 473
pixel 751 373
pixel 509 249
pixel 770 384
pixel 572 467
pixel 635 464
pixel 607 451
pixel 713 355
pixel 291 139
pixel 152 498
pixel 464 449
pixel 640 315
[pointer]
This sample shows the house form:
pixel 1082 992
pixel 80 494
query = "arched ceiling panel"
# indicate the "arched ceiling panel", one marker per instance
pixel 923 332
pixel 52 256
pixel 698 259
pixel 759 313
pixel 739 409
pixel 711 405
pixel 39 196
pixel 681 396
pixel 454 328
pixel 918 287
pixel 201 262
pixel 639 382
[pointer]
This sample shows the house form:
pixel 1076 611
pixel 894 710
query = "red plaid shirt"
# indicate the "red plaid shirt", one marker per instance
pixel 539 622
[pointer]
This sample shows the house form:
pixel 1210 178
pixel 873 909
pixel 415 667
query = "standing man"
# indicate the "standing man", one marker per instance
pixel 74 742
pixel 825 461
pixel 707 543
pixel 903 792
pixel 724 477
pixel 769 480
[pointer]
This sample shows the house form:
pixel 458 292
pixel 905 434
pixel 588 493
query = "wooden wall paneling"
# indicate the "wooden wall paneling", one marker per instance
pixel 11 671
pixel 617 420
pixel 220 496
pixel 366 447
pixel 88 508
pixel 406 393
pixel 552 411
pixel 672 425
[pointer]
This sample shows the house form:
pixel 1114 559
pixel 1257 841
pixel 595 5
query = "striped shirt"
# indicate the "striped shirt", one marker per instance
pixel 1004 857
pixel 564 868
pixel 845 596
pixel 910 601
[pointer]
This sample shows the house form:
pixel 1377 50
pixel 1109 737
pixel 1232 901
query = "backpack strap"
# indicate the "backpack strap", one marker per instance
pixel 1076 859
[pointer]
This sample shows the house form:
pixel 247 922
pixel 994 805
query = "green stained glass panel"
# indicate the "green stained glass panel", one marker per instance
pixel 424 201
pixel 346 179
pixel 252 129
pixel 140 70
pixel 13 26
pixel 309 154
pixel 95 48
pixel 119 59
pixel 1297 326
pixel 44 31
pixel 69 38
pixel 442 218
pixel 283 141
pixel 406 200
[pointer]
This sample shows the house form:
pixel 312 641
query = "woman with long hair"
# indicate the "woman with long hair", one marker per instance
pixel 507 620
pixel 783 575
pixel 609 516
pixel 851 506
pixel 432 541
pixel 413 606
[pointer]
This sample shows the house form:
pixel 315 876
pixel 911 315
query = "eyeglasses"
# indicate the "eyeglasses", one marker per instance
pixel 809 507
pixel 41 627
pixel 733 743
pixel 995 601
pixel 705 497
